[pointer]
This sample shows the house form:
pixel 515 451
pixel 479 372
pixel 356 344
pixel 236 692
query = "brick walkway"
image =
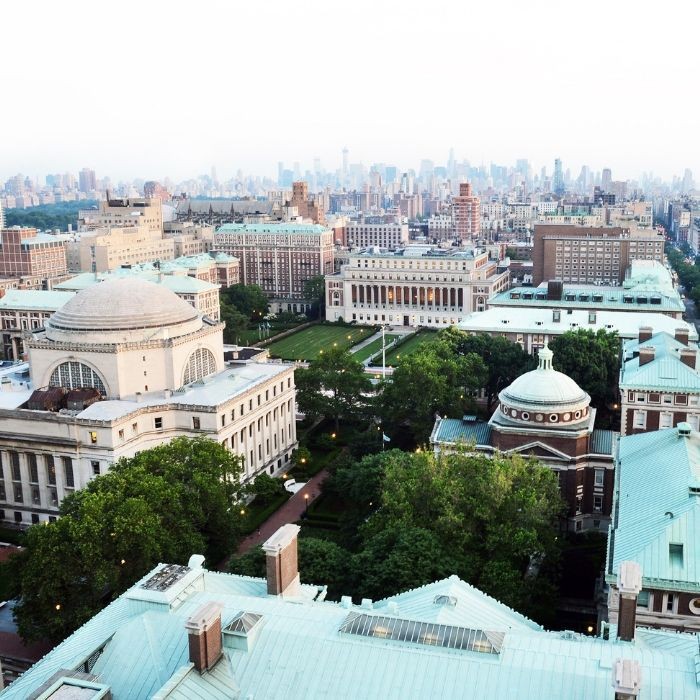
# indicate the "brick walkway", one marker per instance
pixel 289 512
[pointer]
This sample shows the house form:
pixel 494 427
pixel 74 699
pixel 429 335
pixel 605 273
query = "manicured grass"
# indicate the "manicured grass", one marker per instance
pixel 252 334
pixel 308 343
pixel 413 344
pixel 374 347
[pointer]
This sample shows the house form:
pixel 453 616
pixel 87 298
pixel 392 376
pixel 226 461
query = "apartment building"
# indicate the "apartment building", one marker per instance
pixel 37 259
pixel 416 286
pixel 119 213
pixel 466 213
pixel 390 236
pixel 590 254
pixel 280 258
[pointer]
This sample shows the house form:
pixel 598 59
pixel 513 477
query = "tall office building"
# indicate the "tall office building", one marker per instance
pixel 87 180
pixel 466 212
pixel 558 186
pixel 606 179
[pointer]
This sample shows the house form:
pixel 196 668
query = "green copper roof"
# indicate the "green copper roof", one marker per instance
pixel 655 508
pixel 665 372
pixel 309 649
pixel 34 299
pixel 454 430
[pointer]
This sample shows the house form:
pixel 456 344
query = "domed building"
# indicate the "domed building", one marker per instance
pixel 122 366
pixel 545 414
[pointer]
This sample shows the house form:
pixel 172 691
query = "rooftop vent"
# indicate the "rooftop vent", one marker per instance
pixel 448 600
pixel 684 429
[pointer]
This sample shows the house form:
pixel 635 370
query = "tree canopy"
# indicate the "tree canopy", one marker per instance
pixel 48 216
pixel 249 300
pixel 434 380
pixel 505 361
pixel 315 292
pixel 162 505
pixel 592 360
pixel 334 385
pixel 235 321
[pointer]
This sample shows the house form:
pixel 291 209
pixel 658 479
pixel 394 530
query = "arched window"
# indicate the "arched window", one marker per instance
pixel 201 363
pixel 76 375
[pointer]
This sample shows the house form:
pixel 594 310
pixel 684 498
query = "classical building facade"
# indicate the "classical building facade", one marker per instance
pixel 123 366
pixel 659 382
pixel 280 258
pixel 655 524
pixel 546 415
pixel 419 287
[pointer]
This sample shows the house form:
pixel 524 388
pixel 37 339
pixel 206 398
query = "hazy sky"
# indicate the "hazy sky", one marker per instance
pixel 155 88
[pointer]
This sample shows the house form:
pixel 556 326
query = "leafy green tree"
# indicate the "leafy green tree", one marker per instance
pixel 435 380
pixel 315 292
pixel 334 385
pixel 236 322
pixel 491 517
pixel 505 361
pixel 592 360
pixel 249 299
pixel 165 504
pixel 399 558
pixel 265 488
pixel 48 216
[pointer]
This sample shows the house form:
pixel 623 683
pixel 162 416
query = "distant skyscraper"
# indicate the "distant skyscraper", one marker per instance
pixel 280 172
pixel 606 179
pixel 466 212
pixel 687 184
pixel 87 180
pixel 558 186
pixel 346 153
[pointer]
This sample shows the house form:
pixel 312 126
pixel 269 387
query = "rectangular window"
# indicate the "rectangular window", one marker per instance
pixel 95 468
pixel 68 472
pixel 597 504
pixel 134 428
pixel 93 437
pixel 195 422
pixel 33 468
pixel 670 602
pixel 121 434
pixel 14 465
pixel 643 600
pixel 223 420
pixel 675 554
pixel 158 422
pixel 35 495
pixel 53 494
pixel 18 493
pixel 50 470
pixel 665 420
pixel 599 477
pixel 640 420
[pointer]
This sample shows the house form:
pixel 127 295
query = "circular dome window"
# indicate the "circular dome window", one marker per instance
pixel 504 408
pixel 525 415
pixel 566 416
pixel 577 415
pixel 539 417
pixel 694 606
pixel 553 417
pixel 514 413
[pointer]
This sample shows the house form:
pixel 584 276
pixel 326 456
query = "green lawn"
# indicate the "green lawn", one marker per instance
pixel 374 347
pixel 308 343
pixel 252 334
pixel 413 344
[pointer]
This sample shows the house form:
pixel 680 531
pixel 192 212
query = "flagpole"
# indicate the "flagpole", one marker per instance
pixel 383 357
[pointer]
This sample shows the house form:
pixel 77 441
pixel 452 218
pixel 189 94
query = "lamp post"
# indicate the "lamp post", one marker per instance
pixel 306 504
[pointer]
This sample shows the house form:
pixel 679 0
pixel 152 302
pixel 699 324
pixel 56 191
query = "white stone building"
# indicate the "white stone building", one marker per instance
pixel 124 366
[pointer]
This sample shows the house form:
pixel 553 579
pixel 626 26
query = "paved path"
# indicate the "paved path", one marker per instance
pixel 289 512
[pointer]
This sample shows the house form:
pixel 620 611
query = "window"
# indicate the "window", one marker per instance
pixel 18 517
pixel 95 468
pixel 644 600
pixel 35 518
pixel 675 554
pixel 68 472
pixel 597 504
pixel 33 469
pixel 53 494
pixel 76 375
pixel 201 363
pixel 195 422
pixel 599 479
pixel 665 420
pixel 93 437
pixel 670 603
pixel 223 420
pixel 35 495
pixel 18 493
pixel 50 470
pixel 158 422
pixel 14 465
pixel 640 420
pixel 121 434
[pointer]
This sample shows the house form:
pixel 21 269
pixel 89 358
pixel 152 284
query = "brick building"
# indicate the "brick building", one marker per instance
pixel 308 207
pixel 659 382
pixel 546 415
pixel 37 258
pixel 280 258
pixel 466 213
pixel 590 255
pixel 655 524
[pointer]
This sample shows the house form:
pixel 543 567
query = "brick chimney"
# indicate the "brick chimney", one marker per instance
pixel 282 567
pixel 689 357
pixel 645 333
pixel 646 354
pixel 204 636
pixel 629 584
pixel 681 335
pixel 627 679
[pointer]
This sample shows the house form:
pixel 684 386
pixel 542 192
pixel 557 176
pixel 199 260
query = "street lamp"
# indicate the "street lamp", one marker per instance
pixel 306 504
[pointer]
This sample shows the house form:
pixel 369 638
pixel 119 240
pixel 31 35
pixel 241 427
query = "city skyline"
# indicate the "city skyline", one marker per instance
pixel 496 83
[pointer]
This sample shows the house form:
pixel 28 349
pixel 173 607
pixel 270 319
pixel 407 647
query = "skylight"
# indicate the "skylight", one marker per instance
pixel 428 633
pixel 165 577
